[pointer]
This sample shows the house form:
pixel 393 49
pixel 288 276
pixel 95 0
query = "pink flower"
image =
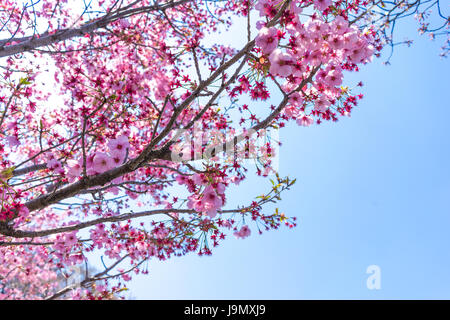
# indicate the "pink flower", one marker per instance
pixel 23 211
pixel 236 180
pixel 160 233
pixel 290 111
pixel 305 121
pixel 195 203
pixel 126 277
pixel 13 141
pixel 339 25
pixel 350 39
pixel 322 4
pixel 263 6
pixel 281 63
pixel 243 233
pixel 267 39
pixel 124 23
pixel 114 190
pixel 260 24
pixel 360 51
pixel 75 169
pixel 89 160
pixel 200 179
pixel 70 239
pixel 102 162
pixel 336 42
pixel 55 165
pixel 334 78
pixel 182 179
pixel 22 214
pixel 211 202
pixel 118 159
pixel 296 99
pixel 294 8
pixel 322 104
pixel 318 28
pixel 220 188
pixel 315 58
pixel 320 76
pixel 357 55
pixel 118 147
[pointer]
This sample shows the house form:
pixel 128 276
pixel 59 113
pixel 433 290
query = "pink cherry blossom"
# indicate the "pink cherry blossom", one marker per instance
pixel 244 232
pixel 263 6
pixel 13 141
pixel 55 165
pixel 322 104
pixel 74 169
pixel 211 202
pixel 305 120
pixel 336 42
pixel 322 4
pixel 182 179
pixel 119 146
pixel 200 179
pixel 339 25
pixel 267 39
pixel 102 162
pixel 296 99
pixel 281 63
pixel 334 78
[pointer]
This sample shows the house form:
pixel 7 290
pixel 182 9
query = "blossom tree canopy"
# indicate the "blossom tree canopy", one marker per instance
pixel 124 122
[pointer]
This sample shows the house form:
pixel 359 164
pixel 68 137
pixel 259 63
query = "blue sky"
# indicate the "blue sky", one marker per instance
pixel 373 189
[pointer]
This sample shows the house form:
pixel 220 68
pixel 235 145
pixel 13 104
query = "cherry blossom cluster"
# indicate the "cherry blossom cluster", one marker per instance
pixel 243 232
pixel 208 193
pixel 100 162
pixel 325 48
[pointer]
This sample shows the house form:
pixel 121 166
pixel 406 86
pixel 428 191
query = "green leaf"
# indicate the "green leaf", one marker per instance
pixel 7 173
pixel 24 81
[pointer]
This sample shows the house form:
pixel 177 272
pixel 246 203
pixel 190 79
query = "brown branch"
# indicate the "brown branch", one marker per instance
pixel 46 39
pixel 29 169
pixel 86 281
pixel 83 225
